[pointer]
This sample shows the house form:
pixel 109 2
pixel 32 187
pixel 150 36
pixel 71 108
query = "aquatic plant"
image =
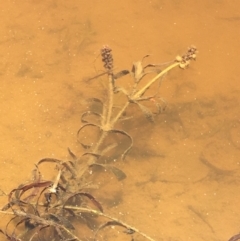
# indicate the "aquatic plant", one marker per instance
pixel 61 208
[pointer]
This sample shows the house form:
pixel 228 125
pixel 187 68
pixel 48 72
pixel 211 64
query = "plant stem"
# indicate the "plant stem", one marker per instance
pixel 120 113
pixel 141 92
pixel 110 98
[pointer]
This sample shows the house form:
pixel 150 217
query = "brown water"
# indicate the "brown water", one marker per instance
pixel 183 172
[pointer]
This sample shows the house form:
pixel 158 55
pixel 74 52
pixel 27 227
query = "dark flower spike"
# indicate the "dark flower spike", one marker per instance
pixel 107 58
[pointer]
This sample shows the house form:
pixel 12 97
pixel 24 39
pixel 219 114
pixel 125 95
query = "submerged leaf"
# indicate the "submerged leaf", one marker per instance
pixel 96 100
pixel 114 223
pixel 121 74
pixel 89 196
pixel 21 190
pixel 74 157
pixel 129 137
pixel 85 146
pixel 89 113
pixel 138 70
pixel 119 174
pixel 148 114
pixel 53 160
pixel 60 220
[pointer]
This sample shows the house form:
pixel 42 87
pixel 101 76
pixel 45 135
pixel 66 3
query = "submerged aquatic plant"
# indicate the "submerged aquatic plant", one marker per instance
pixel 57 209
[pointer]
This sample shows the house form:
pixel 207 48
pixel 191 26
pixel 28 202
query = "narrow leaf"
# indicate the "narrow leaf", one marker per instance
pixel 148 114
pixel 121 74
pixel 119 174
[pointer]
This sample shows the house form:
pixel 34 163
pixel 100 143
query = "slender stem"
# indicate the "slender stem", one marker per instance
pixel 97 146
pixel 110 98
pixel 140 92
pixel 107 114
pixel 120 113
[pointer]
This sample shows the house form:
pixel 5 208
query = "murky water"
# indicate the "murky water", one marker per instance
pixel 183 172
